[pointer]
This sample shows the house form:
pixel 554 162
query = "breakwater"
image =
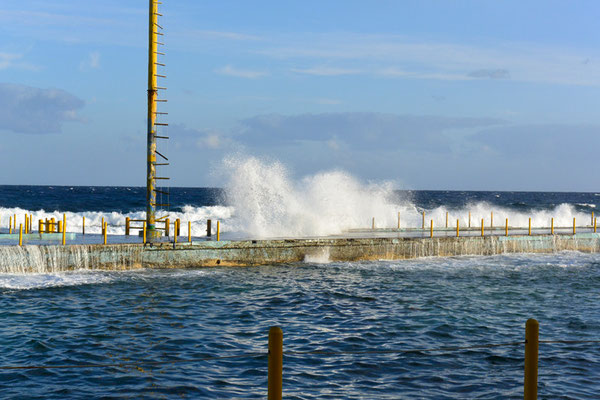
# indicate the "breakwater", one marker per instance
pixel 56 258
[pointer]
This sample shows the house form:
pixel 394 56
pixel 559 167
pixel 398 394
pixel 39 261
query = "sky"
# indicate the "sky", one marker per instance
pixel 441 95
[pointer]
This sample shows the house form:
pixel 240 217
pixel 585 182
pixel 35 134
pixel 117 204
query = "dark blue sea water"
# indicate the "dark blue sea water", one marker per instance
pixel 86 317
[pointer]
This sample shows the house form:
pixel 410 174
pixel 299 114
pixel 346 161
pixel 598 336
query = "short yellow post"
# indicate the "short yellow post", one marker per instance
pixel 372 223
pixel 83 226
pixel 552 226
pixel 105 231
pixel 175 232
pixel 532 333
pixel 40 226
pixel 275 377
pixel 469 219
pixel 15 221
pixel 167 227
pixel 457 228
pixel 446 219
pixel 482 233
pixel 64 230
pixel 190 231
pixel 26 223
pixel 178 231
pixel 60 227
pixel 492 220
pixel 10 225
pixel 54 225
pixel 127 224
pixel 102 224
pixel 218 231
pixel 506 232
pixel 144 232
pixel 20 234
pixel 431 229
pixel 423 227
pixel 529 226
pixel 592 218
pixel 594 225
pixel 398 219
pixel 574 228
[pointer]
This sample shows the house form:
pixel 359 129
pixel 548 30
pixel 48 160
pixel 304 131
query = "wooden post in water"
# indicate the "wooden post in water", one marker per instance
pixel 532 333
pixel 275 374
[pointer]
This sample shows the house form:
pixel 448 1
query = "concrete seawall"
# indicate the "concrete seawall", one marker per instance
pixel 44 259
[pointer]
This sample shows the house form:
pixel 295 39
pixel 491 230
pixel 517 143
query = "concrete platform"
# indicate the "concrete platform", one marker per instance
pixel 55 258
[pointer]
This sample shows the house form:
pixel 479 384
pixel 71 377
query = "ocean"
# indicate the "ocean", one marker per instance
pixel 353 310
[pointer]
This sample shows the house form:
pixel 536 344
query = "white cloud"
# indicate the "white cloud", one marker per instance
pixel 229 70
pixel 326 71
pixel 12 60
pixel 91 62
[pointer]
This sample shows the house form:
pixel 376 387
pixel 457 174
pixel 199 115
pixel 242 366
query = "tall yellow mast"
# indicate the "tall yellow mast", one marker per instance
pixel 151 187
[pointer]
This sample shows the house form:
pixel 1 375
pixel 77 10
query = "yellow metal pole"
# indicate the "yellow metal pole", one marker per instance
pixel 144 232
pixel 64 221
pixel 529 226
pixel 506 233
pixel 151 133
pixel 15 221
pixel 102 224
pixel 190 231
pixel 209 228
pixel 574 229
pixel 178 227
pixel 492 220
pixel 446 219
pixel 167 227
pixel 83 226
pixel 532 333
pixel 20 234
pixel 175 233
pixel 26 223
pixel 60 227
pixel 105 231
pixel 423 227
pixel 127 222
pixel 482 233
pixel 10 224
pixel 275 377
pixel 594 225
pixel 552 226
pixel 469 219
pixel 457 228
pixel 398 219
pixel 218 231
pixel 64 231
pixel 54 225
pixel 592 217
pixel 431 229
pixel 40 226
pixel 372 223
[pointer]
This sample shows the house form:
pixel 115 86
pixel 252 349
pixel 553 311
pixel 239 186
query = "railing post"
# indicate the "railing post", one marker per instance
pixel 532 331
pixel 275 377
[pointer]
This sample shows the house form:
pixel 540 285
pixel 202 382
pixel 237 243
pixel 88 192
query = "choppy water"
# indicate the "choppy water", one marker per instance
pixel 107 317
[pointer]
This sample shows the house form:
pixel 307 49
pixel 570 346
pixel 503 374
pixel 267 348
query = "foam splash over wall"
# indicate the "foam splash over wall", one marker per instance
pixel 270 204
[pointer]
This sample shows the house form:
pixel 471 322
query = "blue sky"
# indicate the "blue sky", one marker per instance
pixel 488 95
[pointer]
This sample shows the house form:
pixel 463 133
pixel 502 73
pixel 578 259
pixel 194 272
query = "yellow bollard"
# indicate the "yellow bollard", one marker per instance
pixel 127 223
pixel 372 223
pixel 105 231
pixel 190 231
pixel 431 229
pixel 20 234
pixel 506 233
pixel 482 233
pixel 457 228
pixel 532 333
pixel 574 229
pixel 83 226
pixel 40 226
pixel 15 222
pixel 167 227
pixel 446 219
pixel 594 225
pixel 175 228
pixel 469 219
pixel 64 230
pixel 423 227
pixel 592 218
pixel 398 219
pixel 26 223
pixel 9 225
pixel 53 227
pixel 144 232
pixel 60 227
pixel 492 220
pixel 102 223
pixel 552 226
pixel 529 226
pixel 275 375
pixel 178 231
pixel 218 231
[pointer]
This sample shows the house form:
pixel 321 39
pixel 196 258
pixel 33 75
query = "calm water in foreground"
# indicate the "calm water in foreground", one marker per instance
pixel 111 317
